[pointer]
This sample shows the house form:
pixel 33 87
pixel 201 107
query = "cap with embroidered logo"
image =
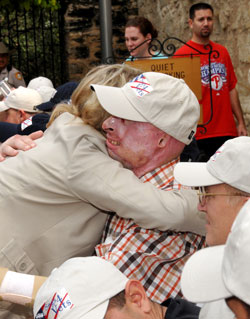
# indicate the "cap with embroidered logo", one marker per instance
pixel 160 99
pixel 79 288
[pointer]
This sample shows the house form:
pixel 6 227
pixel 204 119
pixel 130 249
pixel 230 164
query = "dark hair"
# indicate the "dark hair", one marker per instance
pixel 144 25
pixel 118 301
pixel 199 6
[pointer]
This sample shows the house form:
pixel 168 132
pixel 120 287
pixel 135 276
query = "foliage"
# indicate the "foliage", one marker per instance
pixel 36 40
pixel 27 4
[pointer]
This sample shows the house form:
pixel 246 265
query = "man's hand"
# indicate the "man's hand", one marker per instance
pixel 18 142
pixel 241 129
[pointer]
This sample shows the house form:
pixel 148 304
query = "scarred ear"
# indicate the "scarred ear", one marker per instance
pixel 163 140
pixel 136 298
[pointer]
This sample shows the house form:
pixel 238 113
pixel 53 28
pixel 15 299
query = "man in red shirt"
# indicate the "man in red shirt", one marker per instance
pixel 226 104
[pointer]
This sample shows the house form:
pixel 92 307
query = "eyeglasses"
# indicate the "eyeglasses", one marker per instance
pixel 203 195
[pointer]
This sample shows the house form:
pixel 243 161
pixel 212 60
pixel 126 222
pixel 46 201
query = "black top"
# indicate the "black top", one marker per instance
pixel 38 122
pixel 180 309
pixel 191 152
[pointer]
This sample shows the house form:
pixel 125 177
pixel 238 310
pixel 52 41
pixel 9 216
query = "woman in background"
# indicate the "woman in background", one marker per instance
pixel 139 33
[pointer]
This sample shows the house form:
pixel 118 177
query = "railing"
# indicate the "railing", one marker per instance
pixel 168 49
pixel 37 39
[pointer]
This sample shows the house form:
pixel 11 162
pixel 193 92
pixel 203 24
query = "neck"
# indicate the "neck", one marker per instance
pixel 200 40
pixel 158 311
pixel 148 167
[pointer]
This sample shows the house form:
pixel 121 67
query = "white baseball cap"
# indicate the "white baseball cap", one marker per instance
pixel 46 92
pixel 21 99
pixel 160 99
pixel 81 288
pixel 221 272
pixel 230 165
pixel 40 81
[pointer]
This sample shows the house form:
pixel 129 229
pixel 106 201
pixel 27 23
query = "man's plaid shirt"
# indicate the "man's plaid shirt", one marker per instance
pixel 154 257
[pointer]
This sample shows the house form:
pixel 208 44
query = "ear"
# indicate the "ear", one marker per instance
pixel 148 36
pixel 163 140
pixel 190 23
pixel 22 115
pixel 136 297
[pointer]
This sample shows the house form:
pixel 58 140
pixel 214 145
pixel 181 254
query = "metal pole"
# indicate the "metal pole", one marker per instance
pixel 106 30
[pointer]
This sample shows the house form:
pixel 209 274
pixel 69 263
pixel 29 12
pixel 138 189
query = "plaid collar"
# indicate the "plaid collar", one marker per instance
pixel 163 176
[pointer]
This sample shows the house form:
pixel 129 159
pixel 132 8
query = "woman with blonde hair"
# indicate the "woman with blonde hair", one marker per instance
pixel 84 103
pixel 54 199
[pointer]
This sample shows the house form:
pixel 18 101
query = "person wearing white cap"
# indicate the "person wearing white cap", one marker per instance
pixel 44 86
pixel 88 288
pixel 57 211
pixel 19 105
pixel 50 98
pixel 40 81
pixel 63 192
pixel 93 288
pixel 224 187
pixel 153 117
pixel 222 271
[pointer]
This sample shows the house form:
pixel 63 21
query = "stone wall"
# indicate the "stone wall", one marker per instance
pixel 82 26
pixel 231 29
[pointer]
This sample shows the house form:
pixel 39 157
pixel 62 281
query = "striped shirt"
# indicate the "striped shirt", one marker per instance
pixel 154 257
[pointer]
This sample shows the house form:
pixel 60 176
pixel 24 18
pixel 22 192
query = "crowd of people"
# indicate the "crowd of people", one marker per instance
pixel 109 207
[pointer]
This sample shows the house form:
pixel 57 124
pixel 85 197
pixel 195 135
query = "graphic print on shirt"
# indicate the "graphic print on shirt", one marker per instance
pixel 218 75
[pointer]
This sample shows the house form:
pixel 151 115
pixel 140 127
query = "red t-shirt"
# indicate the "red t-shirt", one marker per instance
pixel 223 80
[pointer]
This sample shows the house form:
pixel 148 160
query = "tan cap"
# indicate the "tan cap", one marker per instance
pixel 21 99
pixel 80 288
pixel 156 98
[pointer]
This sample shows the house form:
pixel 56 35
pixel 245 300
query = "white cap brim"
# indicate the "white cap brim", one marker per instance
pixel 201 279
pixel 111 99
pixel 194 174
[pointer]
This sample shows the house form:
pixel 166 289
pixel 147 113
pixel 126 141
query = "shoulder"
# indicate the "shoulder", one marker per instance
pixel 16 73
pixel 218 46
pixel 16 78
pixel 7 130
pixel 158 55
pixel 72 128
pixel 184 48
pixel 181 309
pixel 34 123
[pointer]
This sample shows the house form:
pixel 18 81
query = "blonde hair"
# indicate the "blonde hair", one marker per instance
pixel 84 102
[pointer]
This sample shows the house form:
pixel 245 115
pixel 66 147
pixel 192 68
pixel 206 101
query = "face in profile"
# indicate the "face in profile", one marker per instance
pixel 221 211
pixel 131 143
